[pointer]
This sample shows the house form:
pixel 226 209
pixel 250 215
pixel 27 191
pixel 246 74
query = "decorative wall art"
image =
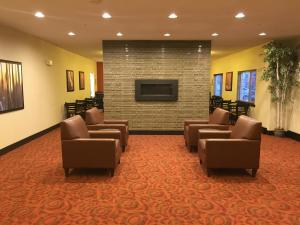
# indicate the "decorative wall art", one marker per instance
pixel 228 82
pixel 81 81
pixel 11 86
pixel 70 80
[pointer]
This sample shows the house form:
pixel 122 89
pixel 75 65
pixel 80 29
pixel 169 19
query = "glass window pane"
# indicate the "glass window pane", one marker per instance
pixel 247 86
pixel 218 85
pixel 252 86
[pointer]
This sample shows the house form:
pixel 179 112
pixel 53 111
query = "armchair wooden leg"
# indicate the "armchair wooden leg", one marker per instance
pixel 66 172
pixel 254 171
pixel 123 148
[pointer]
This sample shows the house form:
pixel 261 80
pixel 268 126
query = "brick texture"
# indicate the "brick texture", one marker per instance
pixel 186 61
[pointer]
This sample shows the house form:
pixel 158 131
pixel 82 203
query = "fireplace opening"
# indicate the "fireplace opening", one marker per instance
pixel 156 90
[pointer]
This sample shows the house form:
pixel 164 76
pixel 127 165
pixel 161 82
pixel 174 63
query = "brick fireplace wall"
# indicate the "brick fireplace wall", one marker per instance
pixel 186 61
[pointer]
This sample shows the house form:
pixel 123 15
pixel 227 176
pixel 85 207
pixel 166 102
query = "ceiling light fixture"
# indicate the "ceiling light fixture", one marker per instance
pixel 167 35
pixel 173 16
pixel 262 34
pixel 71 33
pixel 240 15
pixel 119 34
pixel 39 15
pixel 215 34
pixel 106 15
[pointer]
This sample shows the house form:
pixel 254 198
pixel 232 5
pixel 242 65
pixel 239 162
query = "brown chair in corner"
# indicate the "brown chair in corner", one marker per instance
pixel 239 148
pixel 88 149
pixel 218 120
pixel 94 121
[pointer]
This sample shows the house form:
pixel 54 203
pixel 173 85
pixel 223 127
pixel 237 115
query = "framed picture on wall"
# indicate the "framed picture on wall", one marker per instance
pixel 70 80
pixel 81 81
pixel 228 82
pixel 11 86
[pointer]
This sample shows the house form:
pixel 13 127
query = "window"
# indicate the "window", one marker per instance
pixel 247 86
pixel 92 84
pixel 218 83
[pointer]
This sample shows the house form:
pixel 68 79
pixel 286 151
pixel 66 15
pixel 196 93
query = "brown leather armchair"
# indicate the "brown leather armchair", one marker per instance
pixel 88 149
pixel 239 148
pixel 218 120
pixel 94 121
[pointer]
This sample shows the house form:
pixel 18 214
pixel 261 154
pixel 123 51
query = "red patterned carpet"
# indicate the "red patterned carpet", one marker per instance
pixel 157 182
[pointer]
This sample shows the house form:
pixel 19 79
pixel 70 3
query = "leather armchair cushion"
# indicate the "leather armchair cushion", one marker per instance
pixel 247 128
pixel 73 128
pixel 219 116
pixel 93 116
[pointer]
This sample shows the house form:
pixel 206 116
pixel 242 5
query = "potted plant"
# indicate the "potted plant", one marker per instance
pixel 281 70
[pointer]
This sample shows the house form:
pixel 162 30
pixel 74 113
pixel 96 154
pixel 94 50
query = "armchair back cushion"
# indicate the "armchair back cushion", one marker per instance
pixel 93 116
pixel 73 128
pixel 219 116
pixel 246 128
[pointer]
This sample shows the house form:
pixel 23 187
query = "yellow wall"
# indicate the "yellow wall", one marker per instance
pixel 264 110
pixel 44 87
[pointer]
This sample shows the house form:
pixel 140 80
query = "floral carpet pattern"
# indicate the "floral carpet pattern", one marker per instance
pixel 157 182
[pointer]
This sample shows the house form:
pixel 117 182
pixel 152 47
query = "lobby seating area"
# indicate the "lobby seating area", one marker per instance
pixel 149 112
pixel 157 182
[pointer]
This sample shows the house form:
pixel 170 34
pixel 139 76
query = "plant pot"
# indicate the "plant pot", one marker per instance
pixel 279 133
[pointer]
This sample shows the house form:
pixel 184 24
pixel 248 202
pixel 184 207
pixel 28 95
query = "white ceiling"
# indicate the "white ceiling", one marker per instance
pixel 148 20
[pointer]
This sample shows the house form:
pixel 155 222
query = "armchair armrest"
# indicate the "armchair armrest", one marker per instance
pixel 121 127
pixel 205 134
pixel 90 153
pixel 208 126
pixel 195 121
pixel 232 153
pixel 115 134
pixel 125 122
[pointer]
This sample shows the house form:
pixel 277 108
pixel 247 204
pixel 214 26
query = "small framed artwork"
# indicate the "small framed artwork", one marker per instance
pixel 81 81
pixel 70 80
pixel 11 86
pixel 228 82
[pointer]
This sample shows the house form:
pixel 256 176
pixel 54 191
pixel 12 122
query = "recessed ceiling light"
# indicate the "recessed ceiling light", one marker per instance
pixel 262 34
pixel 106 15
pixel 167 35
pixel 215 34
pixel 240 15
pixel 173 16
pixel 39 15
pixel 71 33
pixel 119 34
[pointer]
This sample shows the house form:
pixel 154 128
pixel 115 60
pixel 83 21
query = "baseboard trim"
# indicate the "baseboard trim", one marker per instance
pixel 156 132
pixel 293 135
pixel 289 134
pixel 28 139
pixel 264 130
